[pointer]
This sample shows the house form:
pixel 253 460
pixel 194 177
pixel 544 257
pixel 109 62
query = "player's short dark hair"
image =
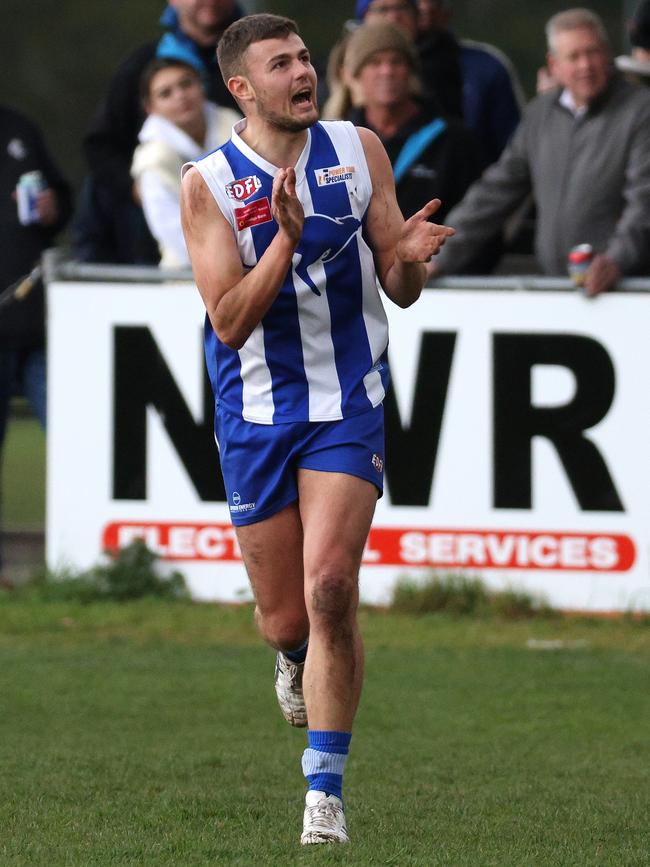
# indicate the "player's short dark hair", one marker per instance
pixel 155 66
pixel 243 32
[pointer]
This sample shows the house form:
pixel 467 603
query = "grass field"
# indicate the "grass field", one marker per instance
pixel 147 734
pixel 23 475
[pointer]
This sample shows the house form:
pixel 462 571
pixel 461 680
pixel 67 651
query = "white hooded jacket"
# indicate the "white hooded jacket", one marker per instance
pixel 156 168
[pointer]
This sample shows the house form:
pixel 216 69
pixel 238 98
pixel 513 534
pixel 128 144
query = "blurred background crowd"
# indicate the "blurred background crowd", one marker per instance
pixel 84 77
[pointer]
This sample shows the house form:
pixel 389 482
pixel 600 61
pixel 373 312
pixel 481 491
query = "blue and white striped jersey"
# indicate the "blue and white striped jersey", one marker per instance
pixel 320 352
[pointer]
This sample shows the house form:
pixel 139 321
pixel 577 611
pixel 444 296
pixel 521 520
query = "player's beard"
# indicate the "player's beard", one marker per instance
pixel 284 122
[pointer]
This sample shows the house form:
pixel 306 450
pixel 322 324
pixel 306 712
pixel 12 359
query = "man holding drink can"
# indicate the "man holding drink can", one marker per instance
pixel 583 151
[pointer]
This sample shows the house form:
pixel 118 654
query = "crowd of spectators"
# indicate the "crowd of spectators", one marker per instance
pixel 449 111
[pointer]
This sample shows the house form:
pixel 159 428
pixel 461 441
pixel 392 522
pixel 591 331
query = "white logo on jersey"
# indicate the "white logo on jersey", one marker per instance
pixel 334 175
pixel 238 506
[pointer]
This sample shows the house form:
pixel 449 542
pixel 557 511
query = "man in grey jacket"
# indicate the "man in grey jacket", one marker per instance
pixel 583 150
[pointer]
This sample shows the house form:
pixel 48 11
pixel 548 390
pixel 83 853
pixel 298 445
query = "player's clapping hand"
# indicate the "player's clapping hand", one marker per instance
pixel 285 205
pixel 420 239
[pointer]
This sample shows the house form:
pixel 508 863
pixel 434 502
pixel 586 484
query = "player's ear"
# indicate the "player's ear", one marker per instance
pixel 241 88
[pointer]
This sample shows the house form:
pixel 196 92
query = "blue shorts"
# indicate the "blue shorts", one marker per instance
pixel 259 462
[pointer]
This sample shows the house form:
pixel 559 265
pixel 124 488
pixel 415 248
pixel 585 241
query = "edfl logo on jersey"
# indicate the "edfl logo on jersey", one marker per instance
pixel 243 188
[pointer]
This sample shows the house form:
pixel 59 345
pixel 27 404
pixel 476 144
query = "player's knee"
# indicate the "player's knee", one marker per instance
pixel 332 600
pixel 283 630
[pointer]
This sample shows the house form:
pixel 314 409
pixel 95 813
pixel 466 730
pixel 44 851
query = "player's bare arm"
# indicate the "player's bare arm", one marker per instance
pixel 236 300
pixel 401 247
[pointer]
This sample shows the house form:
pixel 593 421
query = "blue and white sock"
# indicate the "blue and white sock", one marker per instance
pixel 299 655
pixel 323 762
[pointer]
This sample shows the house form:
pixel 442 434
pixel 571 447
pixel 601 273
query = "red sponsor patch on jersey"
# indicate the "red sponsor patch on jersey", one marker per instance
pixel 253 214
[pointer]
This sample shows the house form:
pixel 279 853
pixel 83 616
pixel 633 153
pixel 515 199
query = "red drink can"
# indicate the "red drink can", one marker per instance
pixel 580 258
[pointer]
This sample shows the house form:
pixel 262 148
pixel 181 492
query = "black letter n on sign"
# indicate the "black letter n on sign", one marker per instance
pixel 516 421
pixel 142 379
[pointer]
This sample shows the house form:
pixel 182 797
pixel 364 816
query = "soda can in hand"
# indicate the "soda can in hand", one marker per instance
pixel 29 186
pixel 580 258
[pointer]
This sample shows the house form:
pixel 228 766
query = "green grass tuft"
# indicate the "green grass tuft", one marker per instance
pixel 130 573
pixel 460 595
pixel 23 474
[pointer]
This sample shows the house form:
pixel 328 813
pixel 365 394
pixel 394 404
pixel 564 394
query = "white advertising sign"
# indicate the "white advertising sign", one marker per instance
pixel 517 442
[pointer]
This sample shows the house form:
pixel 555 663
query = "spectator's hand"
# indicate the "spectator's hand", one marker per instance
pixel 420 239
pixel 48 209
pixel 545 80
pixel 285 205
pixel 602 274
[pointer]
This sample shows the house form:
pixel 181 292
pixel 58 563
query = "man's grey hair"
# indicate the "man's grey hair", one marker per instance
pixel 574 19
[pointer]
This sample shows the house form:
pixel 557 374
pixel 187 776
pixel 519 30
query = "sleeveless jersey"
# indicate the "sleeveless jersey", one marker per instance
pixel 319 353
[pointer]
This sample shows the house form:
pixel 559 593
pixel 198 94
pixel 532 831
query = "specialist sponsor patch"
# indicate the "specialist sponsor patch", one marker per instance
pixel 253 214
pixel 243 188
pixel 334 175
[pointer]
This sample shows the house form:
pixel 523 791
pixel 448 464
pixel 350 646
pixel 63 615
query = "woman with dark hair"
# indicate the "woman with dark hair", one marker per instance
pixel 181 125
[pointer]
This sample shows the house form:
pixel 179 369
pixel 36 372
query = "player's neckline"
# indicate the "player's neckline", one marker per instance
pixel 263 164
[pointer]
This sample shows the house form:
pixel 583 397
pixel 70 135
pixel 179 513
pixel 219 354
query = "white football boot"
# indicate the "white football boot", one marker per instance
pixel 288 688
pixel 324 820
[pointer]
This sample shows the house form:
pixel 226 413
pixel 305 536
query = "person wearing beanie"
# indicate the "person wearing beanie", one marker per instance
pixel 636 65
pixel 432 156
pixel 439 53
pixel 470 80
pixel 371 37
